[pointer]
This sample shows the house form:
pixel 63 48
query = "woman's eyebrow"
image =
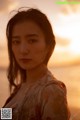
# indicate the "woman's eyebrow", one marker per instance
pixel 28 35
pixel 15 37
pixel 32 35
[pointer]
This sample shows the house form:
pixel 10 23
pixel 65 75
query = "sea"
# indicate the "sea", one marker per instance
pixel 70 75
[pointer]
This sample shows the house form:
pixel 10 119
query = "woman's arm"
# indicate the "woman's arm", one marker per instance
pixel 54 103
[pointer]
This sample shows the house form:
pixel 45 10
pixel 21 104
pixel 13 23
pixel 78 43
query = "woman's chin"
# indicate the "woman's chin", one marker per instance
pixel 29 67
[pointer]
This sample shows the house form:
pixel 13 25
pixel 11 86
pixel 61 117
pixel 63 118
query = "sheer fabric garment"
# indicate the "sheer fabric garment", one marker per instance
pixel 45 100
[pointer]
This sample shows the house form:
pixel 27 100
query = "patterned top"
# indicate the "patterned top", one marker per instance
pixel 45 100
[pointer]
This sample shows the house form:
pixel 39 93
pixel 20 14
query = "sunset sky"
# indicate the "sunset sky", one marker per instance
pixel 65 20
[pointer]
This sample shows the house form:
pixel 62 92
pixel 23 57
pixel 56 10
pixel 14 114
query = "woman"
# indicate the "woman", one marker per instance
pixel 35 92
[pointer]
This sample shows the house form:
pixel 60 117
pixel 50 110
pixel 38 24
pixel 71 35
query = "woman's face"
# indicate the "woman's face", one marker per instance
pixel 28 45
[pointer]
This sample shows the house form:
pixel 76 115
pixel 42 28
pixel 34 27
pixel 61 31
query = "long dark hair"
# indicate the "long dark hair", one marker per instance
pixel 42 21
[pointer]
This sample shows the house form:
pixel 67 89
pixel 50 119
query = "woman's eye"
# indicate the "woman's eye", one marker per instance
pixel 32 41
pixel 15 42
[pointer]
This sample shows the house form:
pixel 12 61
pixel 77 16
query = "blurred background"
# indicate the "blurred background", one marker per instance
pixel 65 61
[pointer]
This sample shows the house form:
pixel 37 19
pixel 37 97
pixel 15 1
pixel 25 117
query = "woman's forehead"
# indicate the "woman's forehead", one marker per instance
pixel 29 27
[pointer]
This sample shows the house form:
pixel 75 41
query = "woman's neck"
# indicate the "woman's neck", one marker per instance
pixel 36 73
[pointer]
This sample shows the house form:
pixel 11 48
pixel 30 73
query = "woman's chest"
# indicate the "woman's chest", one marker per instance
pixel 27 97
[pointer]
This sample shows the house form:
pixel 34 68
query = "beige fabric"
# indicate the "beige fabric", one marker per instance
pixel 44 100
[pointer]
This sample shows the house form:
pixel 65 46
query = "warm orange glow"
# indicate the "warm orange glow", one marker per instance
pixel 67 32
pixel 12 6
pixel 65 21
pixel 68 27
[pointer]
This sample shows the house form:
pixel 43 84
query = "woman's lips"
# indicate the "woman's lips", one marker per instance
pixel 25 60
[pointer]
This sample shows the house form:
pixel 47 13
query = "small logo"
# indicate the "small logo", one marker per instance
pixel 68 2
pixel 6 113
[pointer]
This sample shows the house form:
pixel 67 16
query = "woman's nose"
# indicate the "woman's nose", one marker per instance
pixel 24 48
